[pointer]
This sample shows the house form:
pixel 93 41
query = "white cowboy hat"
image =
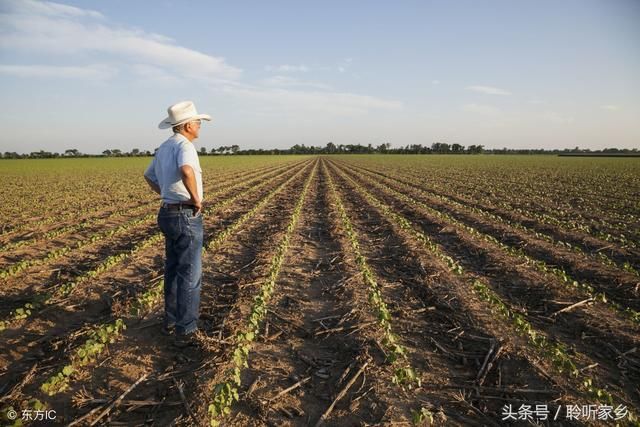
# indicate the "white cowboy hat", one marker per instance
pixel 180 113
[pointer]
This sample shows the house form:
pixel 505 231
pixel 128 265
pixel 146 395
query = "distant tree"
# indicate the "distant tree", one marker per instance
pixel 235 148
pixel 135 152
pixel 417 149
pixel 72 152
pixel 203 151
pixel 457 148
pixel 440 147
pixel 106 153
pixel 475 149
pixel 383 148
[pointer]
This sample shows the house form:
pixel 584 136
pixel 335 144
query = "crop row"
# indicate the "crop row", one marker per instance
pixel 64 290
pixel 616 233
pixel 24 265
pixel 555 273
pixel 87 214
pixel 554 352
pixel 215 243
pixel 226 392
pixel 101 335
pixel 404 374
pixel 62 192
pixel 478 186
pixel 569 197
pixel 66 214
pixel 72 228
pixel 447 200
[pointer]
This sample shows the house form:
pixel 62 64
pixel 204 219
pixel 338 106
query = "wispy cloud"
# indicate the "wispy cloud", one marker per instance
pixel 611 107
pixel 51 28
pixel 47 8
pixel 286 68
pixel 284 100
pixel 489 90
pixel 65 35
pixel 89 72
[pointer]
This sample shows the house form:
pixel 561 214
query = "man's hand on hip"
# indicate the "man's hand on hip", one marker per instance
pixel 198 206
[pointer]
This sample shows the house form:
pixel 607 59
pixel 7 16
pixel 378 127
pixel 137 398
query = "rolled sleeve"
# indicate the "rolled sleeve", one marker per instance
pixel 187 155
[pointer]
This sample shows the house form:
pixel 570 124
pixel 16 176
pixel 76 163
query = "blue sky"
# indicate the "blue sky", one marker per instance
pixel 100 74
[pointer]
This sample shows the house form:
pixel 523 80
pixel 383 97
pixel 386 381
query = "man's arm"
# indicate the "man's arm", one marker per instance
pixel 155 187
pixel 189 181
pixel 150 177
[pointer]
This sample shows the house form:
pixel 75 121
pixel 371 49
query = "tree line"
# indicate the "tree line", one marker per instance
pixel 329 148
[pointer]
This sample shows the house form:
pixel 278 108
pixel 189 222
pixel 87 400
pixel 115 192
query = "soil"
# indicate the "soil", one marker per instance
pixel 320 356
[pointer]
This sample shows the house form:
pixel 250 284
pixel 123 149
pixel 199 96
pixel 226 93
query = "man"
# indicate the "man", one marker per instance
pixel 175 174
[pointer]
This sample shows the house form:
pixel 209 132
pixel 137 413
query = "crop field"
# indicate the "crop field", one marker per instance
pixel 337 290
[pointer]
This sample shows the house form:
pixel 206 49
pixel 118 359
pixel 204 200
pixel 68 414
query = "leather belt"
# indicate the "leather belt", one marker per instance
pixel 177 206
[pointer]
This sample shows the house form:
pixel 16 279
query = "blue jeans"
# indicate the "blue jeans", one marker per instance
pixel 183 234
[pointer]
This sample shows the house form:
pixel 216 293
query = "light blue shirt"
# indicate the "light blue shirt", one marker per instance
pixel 164 169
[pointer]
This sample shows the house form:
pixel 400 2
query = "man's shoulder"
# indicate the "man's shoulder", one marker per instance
pixel 181 142
pixel 176 144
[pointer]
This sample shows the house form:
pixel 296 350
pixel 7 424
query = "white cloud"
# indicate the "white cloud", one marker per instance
pixel 285 68
pixel 67 35
pixel 50 28
pixel 487 110
pixel 489 90
pixel 280 100
pixel 611 107
pixel 435 82
pixel 89 72
pixel 47 8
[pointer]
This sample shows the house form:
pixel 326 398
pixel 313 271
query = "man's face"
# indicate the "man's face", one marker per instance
pixel 194 128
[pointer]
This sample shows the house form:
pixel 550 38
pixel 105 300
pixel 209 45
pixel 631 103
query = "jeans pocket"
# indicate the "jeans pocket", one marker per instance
pixel 171 226
pixel 195 226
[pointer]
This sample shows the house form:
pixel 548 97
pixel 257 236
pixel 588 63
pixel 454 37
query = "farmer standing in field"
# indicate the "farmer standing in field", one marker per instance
pixel 175 174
